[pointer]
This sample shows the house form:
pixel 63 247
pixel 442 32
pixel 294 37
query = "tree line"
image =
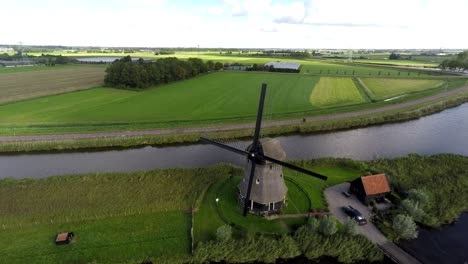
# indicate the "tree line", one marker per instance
pixel 49 60
pixel 140 74
pixel 262 67
pixel 319 237
pixel 458 63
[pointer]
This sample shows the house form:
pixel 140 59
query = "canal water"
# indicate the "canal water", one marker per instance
pixel 444 132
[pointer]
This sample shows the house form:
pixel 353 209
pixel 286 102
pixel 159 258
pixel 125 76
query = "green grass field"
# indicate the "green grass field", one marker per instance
pixel 31 82
pixel 335 91
pixel 213 96
pixel 380 88
pixel 411 63
pixel 118 217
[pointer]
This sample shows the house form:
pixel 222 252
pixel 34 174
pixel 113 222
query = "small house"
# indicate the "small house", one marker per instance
pixel 63 238
pixel 372 187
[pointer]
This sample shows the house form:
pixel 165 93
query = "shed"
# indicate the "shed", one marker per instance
pixel 367 188
pixel 63 238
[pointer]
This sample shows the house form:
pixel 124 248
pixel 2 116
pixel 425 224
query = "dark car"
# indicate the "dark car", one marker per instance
pixel 355 215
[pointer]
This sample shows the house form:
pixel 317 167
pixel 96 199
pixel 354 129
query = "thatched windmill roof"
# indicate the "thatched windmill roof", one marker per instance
pixel 268 183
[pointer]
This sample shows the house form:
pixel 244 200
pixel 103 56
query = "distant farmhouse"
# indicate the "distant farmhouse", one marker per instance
pixel 370 187
pixel 283 66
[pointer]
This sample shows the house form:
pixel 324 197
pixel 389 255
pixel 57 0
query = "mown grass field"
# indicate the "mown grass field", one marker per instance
pixel 215 98
pixel 331 91
pixel 212 96
pixel 210 216
pixel 411 63
pixel 116 217
pixel 381 88
pixel 30 82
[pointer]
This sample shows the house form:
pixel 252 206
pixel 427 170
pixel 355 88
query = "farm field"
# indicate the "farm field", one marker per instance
pixel 30 82
pixel 224 97
pixel 381 88
pixel 335 91
pixel 116 217
pixel 400 63
pixel 212 96
pixel 309 66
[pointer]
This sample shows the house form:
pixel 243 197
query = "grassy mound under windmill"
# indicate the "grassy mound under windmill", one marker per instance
pixel 304 193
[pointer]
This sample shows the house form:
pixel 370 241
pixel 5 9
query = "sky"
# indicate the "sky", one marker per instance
pixel 310 24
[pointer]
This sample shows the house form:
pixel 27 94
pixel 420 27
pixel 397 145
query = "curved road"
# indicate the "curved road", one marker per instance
pixel 227 127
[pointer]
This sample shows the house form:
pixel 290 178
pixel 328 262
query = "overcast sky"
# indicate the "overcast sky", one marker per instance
pixel 347 24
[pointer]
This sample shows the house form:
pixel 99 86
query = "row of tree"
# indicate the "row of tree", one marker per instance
pixel 140 74
pixel 262 67
pixel 46 59
pixel 316 239
pixel 458 63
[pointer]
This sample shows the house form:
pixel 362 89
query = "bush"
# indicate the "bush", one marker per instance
pixel 404 227
pixel 413 209
pixel 224 233
pixel 328 226
pixel 349 227
pixel 257 249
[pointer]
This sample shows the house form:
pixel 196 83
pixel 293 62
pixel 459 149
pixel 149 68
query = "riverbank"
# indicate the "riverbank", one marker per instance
pixel 75 142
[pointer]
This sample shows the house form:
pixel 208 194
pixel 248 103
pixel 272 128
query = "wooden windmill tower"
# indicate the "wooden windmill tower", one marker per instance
pixel 262 190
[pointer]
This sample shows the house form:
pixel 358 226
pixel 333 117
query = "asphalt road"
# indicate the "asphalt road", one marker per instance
pixel 227 127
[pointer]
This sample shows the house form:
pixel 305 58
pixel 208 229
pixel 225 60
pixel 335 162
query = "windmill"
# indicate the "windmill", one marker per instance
pixel 264 162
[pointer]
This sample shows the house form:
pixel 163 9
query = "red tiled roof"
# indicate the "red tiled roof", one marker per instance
pixel 61 237
pixel 375 184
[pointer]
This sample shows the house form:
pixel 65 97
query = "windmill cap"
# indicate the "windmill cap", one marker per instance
pixel 270 147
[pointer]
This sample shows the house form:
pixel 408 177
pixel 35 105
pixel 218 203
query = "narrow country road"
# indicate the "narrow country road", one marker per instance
pixel 336 200
pixel 227 127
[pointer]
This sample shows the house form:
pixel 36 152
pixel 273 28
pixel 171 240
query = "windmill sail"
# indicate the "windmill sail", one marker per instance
pixel 261 156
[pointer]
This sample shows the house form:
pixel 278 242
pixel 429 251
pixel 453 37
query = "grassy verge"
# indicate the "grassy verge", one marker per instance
pixel 116 217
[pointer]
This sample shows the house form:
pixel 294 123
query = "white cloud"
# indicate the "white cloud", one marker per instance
pixel 289 13
pixel 259 23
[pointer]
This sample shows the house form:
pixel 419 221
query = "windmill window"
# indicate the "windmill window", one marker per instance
pixel 271 166
pixel 257 181
pixel 281 175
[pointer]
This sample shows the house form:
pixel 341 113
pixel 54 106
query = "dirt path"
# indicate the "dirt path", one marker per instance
pixel 227 127
pixel 336 200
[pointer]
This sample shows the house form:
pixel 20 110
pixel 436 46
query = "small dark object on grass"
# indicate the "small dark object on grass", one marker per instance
pixel 303 120
pixel 63 238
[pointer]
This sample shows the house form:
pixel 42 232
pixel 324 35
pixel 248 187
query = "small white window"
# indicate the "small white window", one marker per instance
pixel 257 181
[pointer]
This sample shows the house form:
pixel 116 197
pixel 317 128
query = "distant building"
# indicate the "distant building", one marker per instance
pixel 4 49
pixel 284 66
pixel 367 188
pixel 18 63
pixel 237 67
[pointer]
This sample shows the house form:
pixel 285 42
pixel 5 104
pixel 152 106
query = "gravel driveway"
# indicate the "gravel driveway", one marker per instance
pixel 336 200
